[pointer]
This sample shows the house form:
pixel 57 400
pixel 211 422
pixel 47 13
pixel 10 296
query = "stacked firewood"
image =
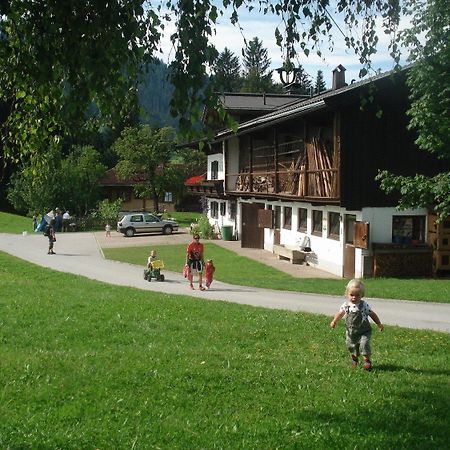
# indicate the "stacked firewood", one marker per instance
pixel 243 181
pixel 320 182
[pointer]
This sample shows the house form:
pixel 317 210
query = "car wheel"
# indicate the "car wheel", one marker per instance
pixel 129 232
pixel 167 229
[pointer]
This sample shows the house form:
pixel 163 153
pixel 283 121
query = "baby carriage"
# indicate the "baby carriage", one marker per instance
pixel 155 271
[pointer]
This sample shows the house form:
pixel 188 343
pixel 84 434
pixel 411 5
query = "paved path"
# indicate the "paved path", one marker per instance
pixel 79 253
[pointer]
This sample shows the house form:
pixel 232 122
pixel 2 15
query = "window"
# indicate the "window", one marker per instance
pixel 223 209
pixel 126 195
pixel 317 217
pixel 136 218
pixel 287 210
pixel 277 217
pixel 349 228
pixel 214 170
pixel 168 197
pixel 406 229
pixel 302 219
pixel 333 225
pixel 150 218
pixel 214 210
pixel 233 210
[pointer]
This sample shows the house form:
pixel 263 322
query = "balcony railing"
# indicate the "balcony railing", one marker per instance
pixel 298 183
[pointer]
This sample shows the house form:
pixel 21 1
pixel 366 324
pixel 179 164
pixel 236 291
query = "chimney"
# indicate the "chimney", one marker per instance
pixel 339 77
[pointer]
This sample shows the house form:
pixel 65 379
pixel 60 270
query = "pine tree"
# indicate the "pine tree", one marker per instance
pixel 304 81
pixel 256 63
pixel 320 85
pixel 227 72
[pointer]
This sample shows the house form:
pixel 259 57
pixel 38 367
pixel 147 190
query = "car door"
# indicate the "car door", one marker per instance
pixel 152 223
pixel 137 222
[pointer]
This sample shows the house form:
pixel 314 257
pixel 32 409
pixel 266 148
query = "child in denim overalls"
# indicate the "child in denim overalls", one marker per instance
pixel 358 329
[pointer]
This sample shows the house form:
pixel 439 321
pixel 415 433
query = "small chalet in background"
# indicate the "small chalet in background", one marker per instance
pixel 298 179
pixel 115 188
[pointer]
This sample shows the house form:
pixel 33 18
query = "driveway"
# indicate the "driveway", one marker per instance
pixel 80 253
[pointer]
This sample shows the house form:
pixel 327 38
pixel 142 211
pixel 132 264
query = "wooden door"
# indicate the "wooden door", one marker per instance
pixel 252 236
pixel 349 247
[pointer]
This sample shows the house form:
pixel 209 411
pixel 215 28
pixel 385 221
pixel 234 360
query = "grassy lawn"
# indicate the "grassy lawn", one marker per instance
pixel 89 365
pixel 184 219
pixel 12 223
pixel 239 270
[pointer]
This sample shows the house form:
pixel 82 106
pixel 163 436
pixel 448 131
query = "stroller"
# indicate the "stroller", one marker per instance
pixel 155 271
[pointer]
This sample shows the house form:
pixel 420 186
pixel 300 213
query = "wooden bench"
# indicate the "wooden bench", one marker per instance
pixel 294 256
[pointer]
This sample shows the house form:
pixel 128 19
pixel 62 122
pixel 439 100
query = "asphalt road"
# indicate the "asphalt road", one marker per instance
pixel 80 253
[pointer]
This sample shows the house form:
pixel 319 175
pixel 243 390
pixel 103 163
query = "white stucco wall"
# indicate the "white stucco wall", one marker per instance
pixel 380 220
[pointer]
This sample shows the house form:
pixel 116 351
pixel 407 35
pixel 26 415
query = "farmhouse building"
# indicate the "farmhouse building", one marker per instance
pixel 298 178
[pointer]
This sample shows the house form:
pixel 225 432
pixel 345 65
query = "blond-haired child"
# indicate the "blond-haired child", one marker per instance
pixel 358 330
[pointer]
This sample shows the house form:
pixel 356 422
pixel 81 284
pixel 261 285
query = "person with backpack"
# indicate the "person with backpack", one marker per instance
pixel 49 232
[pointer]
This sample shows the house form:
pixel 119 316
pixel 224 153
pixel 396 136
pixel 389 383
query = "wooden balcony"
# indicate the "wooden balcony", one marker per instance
pixel 305 184
pixel 294 170
pixel 206 187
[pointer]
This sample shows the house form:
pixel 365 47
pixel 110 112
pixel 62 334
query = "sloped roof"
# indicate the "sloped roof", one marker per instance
pixel 303 106
pixel 195 180
pixel 239 101
pixel 111 179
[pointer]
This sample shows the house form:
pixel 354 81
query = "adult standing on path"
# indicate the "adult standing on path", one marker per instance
pixel 65 221
pixel 195 261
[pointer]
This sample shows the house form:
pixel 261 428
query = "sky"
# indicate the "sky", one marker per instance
pixel 257 25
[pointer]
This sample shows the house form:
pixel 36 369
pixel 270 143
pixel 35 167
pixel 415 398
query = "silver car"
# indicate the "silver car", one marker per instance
pixel 133 223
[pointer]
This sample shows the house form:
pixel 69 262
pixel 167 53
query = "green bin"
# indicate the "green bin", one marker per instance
pixel 227 232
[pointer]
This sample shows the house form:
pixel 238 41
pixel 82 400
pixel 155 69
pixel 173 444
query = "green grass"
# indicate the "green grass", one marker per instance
pixel 184 219
pixel 239 270
pixel 90 365
pixel 13 223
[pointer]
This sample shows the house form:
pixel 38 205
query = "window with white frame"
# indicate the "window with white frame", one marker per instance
pixel 302 219
pixel 168 197
pixel 334 220
pixel 214 210
pixel 223 209
pixel 317 218
pixel 233 210
pixel 277 217
pixel 287 220
pixel 214 170
pixel 406 229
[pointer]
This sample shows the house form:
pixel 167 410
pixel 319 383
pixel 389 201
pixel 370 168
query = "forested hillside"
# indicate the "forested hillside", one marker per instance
pixel 154 93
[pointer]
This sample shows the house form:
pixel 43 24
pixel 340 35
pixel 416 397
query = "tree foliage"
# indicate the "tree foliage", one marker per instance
pixel 429 81
pixel 146 152
pixel 256 63
pixel 227 72
pixel 59 57
pixel 319 85
pixel 71 183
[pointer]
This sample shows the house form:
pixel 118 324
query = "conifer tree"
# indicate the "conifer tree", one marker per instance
pixel 256 64
pixel 320 85
pixel 227 72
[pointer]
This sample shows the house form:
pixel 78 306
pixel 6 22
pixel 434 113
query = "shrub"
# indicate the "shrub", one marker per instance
pixel 204 228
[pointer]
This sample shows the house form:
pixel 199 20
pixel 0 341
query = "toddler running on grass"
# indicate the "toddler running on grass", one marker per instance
pixel 358 330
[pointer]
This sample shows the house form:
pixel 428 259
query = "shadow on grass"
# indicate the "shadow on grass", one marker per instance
pixel 411 417
pixel 395 368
